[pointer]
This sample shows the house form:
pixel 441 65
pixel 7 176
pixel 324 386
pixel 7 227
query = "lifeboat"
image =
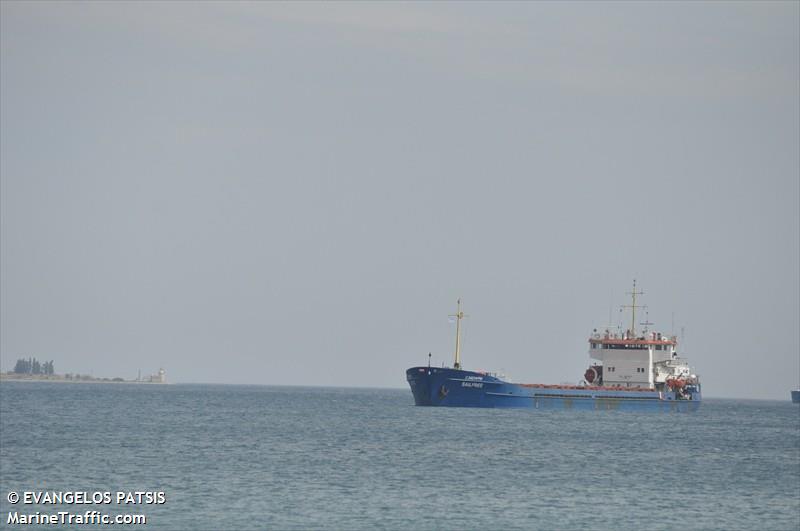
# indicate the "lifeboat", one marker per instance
pixel 676 384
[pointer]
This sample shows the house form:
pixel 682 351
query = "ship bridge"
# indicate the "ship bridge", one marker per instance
pixel 628 361
pixel 636 359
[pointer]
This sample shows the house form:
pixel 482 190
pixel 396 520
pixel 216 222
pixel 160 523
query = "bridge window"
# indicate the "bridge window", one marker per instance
pixel 623 346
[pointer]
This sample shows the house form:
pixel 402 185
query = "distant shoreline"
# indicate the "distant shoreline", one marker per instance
pixel 60 378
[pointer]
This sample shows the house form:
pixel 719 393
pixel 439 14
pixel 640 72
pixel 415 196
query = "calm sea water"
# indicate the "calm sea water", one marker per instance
pixel 249 457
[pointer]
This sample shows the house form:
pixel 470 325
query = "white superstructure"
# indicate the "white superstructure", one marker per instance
pixel 647 360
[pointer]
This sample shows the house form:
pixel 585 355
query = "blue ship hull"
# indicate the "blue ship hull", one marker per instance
pixel 434 386
pixel 796 396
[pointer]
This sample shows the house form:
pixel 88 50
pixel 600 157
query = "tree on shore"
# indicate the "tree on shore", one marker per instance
pixel 22 367
pixel 33 366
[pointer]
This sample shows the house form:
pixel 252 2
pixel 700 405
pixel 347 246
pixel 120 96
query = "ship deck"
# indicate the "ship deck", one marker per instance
pixel 587 387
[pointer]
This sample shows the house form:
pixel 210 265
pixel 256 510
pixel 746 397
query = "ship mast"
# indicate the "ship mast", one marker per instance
pixel 459 315
pixel 633 307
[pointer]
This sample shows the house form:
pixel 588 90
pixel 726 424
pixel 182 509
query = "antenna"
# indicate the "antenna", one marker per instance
pixel 683 338
pixel 458 315
pixel 646 322
pixel 633 307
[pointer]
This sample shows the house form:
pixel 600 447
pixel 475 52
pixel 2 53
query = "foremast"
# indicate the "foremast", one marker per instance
pixel 458 315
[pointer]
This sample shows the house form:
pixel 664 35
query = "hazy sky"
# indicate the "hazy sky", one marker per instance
pixel 298 193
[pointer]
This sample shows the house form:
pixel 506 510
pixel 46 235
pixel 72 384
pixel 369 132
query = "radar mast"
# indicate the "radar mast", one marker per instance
pixel 633 307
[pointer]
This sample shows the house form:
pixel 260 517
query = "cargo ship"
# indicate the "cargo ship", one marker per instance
pixel 796 396
pixel 630 370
